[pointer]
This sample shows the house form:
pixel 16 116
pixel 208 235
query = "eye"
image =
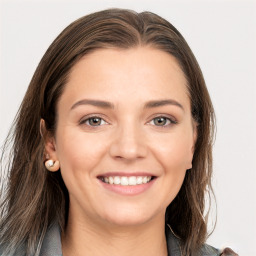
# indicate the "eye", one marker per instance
pixel 162 121
pixel 93 121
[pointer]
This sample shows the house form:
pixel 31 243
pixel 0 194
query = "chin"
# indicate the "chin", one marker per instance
pixel 128 216
pixel 126 221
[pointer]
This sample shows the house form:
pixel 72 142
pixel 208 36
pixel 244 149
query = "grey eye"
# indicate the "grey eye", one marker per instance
pixel 160 121
pixel 95 121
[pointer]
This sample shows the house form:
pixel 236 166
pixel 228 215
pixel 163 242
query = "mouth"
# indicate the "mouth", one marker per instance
pixel 127 183
pixel 126 180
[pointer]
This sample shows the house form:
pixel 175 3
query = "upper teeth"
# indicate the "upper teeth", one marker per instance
pixel 125 181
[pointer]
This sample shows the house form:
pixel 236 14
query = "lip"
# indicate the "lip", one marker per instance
pixel 129 190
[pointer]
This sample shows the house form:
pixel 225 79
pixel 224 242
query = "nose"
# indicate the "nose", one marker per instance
pixel 129 143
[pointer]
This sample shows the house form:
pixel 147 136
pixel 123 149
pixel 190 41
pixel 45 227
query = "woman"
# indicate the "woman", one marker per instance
pixel 112 145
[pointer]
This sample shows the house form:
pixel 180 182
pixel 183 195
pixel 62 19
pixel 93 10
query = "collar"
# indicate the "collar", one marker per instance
pixel 52 242
pixel 173 242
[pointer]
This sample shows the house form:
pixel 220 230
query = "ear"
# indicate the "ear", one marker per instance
pixel 50 155
pixel 194 138
pixel 195 125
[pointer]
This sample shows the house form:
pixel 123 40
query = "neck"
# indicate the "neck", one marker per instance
pixel 87 238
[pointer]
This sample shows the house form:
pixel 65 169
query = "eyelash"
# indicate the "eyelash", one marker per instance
pixel 171 121
pixel 84 121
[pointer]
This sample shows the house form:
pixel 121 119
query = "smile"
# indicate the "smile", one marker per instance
pixel 126 181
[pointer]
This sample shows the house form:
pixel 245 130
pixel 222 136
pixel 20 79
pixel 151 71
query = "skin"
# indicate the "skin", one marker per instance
pixel 128 138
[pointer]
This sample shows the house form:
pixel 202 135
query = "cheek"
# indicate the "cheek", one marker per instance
pixel 175 159
pixel 78 152
pixel 175 152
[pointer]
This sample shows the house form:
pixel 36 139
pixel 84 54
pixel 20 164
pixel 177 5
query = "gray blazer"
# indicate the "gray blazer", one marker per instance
pixel 51 245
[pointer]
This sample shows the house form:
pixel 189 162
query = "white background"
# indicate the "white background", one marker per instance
pixel 222 35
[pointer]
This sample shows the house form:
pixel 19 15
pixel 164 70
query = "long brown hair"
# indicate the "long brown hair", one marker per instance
pixel 34 197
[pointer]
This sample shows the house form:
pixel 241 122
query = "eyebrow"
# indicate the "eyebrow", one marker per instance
pixel 109 105
pixel 96 103
pixel 159 103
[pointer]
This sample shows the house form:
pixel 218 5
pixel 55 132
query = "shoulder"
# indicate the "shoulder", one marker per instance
pixel 174 247
pixel 51 245
pixel 52 242
pixel 209 250
pixel 228 252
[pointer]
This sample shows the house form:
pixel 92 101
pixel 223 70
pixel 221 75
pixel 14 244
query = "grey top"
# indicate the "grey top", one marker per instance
pixel 52 244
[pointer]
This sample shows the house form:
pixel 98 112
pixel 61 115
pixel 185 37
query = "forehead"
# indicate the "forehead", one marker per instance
pixel 141 73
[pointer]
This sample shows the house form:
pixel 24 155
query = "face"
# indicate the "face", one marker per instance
pixel 125 135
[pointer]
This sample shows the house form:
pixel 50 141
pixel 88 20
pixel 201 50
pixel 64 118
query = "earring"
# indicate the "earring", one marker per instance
pixel 52 166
